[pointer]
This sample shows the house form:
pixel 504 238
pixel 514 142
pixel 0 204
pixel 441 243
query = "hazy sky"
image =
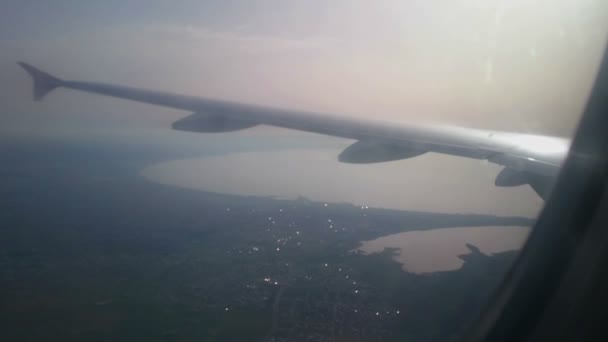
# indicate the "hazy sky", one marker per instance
pixel 515 65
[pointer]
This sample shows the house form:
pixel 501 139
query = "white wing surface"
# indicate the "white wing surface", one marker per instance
pixel 527 159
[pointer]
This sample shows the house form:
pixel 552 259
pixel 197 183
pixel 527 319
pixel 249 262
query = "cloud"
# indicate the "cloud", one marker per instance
pixel 240 41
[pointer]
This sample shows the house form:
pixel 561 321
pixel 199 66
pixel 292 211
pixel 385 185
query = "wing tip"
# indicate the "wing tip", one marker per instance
pixel 43 82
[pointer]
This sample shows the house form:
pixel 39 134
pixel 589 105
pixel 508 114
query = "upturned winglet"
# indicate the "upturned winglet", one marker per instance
pixel 43 82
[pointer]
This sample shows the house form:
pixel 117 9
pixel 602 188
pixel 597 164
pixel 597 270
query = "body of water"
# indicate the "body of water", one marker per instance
pixel 439 249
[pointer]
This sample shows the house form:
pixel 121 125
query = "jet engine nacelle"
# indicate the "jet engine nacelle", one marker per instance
pixel 211 123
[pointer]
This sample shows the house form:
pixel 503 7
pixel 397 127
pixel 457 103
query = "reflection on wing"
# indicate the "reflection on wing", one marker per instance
pixel 528 159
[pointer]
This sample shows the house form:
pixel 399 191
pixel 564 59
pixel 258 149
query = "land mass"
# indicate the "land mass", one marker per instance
pixel 92 251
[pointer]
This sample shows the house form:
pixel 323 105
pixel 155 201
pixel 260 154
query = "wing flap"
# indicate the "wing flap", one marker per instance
pixel 211 123
pixel 364 152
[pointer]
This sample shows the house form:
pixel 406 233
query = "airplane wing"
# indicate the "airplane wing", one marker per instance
pixel 527 159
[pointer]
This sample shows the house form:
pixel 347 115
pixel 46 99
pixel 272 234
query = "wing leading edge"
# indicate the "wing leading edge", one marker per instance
pixel 528 159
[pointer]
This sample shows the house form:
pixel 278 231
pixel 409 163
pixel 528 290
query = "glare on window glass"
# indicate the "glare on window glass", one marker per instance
pixel 278 171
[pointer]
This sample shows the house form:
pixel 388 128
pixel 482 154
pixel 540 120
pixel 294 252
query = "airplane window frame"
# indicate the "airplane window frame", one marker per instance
pixel 554 289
